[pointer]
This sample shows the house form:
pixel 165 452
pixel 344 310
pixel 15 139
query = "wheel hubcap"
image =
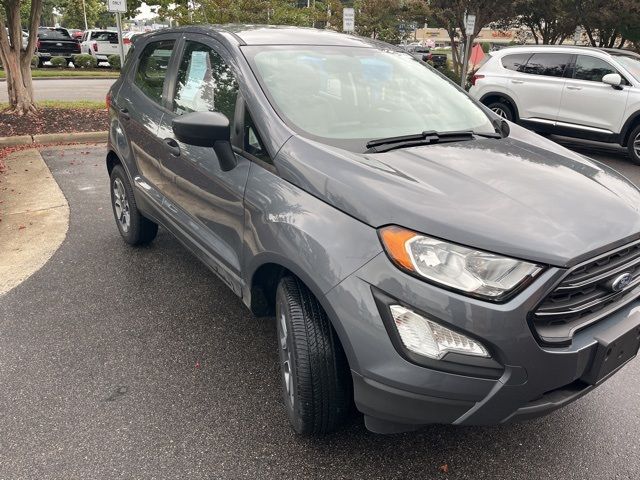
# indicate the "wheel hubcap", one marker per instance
pixel 499 111
pixel 121 205
pixel 285 356
pixel 636 145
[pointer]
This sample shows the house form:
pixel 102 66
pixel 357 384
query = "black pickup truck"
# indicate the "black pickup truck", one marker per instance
pixel 424 54
pixel 55 42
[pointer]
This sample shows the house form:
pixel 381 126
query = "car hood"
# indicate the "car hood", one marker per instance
pixel 522 196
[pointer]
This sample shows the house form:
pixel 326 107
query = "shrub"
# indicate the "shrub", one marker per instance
pixel 114 61
pixel 59 62
pixel 449 73
pixel 34 61
pixel 84 60
pixel 486 47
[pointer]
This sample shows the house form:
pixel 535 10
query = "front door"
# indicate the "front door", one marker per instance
pixel 209 200
pixel 587 102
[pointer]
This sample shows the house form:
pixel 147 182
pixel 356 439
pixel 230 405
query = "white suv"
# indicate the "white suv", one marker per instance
pixel 583 92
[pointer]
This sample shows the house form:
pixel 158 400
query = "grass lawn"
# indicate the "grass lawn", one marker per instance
pixel 69 73
pixel 79 104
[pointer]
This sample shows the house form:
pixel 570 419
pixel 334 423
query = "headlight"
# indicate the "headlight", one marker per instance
pixel 471 271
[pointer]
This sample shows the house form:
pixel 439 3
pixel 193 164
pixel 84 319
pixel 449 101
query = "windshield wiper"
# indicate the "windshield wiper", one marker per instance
pixel 425 138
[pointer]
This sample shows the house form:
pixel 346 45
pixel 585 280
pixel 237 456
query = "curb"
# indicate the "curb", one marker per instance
pixel 44 138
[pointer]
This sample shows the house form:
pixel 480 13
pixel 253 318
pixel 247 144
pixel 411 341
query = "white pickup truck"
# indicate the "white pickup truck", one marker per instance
pixel 100 44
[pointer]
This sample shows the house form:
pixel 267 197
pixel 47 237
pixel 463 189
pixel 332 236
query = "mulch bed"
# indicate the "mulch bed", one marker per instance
pixel 54 120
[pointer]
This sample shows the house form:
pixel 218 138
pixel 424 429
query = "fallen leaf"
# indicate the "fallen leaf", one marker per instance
pixel 444 468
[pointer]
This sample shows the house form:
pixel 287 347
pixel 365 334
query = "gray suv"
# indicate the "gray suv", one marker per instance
pixel 423 258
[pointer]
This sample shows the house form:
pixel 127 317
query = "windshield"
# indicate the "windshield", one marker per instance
pixel 345 96
pixel 631 64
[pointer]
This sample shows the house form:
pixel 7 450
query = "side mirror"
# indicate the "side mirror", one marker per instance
pixel 613 79
pixel 207 129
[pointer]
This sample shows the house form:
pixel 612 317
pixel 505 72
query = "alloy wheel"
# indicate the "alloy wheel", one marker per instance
pixel 636 145
pixel 121 205
pixel 500 112
pixel 285 358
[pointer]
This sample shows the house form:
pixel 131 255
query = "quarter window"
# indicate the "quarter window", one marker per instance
pixel 591 68
pixel 204 83
pixel 152 68
pixel 252 142
pixel 515 62
pixel 548 64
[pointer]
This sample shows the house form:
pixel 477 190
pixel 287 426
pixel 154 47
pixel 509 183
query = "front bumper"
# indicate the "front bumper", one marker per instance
pixel 397 394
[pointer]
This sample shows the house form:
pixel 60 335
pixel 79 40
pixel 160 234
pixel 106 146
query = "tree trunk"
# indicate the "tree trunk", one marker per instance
pixel 16 61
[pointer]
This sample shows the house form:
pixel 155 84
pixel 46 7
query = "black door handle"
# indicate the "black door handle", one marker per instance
pixel 124 113
pixel 172 146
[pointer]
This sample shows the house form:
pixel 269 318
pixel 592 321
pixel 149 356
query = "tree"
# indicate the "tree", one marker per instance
pixel 550 21
pixel 451 13
pixel 73 13
pixel 15 59
pixel 388 20
pixel 611 21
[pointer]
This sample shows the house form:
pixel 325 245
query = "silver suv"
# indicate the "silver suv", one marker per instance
pixel 583 92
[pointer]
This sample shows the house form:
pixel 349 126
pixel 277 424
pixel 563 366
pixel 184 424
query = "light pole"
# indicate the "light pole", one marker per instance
pixel 84 11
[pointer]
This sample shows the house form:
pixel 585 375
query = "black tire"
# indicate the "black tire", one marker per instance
pixel 137 229
pixel 319 397
pixel 503 109
pixel 633 145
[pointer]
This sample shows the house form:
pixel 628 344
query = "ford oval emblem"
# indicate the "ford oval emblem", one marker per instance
pixel 621 282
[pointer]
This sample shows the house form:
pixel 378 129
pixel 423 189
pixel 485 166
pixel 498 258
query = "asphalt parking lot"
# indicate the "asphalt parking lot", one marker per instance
pixel 138 363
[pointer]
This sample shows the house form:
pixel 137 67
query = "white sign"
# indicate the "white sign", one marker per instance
pixel 348 19
pixel 470 24
pixel 117 6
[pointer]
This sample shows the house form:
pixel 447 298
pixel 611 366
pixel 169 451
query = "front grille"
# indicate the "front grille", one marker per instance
pixel 586 294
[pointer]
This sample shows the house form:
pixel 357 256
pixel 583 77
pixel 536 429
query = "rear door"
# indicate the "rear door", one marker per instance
pixel 207 202
pixel 587 103
pixel 140 108
pixel 537 86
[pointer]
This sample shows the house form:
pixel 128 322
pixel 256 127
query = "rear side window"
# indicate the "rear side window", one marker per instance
pixel 204 83
pixel 591 68
pixel 152 68
pixel 547 64
pixel 111 37
pixel 515 62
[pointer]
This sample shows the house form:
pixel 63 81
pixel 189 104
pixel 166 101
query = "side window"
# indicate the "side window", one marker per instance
pixel 204 83
pixel 548 64
pixel 152 68
pixel 252 142
pixel 515 62
pixel 591 68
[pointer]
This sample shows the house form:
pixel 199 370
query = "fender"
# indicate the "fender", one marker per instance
pixel 631 122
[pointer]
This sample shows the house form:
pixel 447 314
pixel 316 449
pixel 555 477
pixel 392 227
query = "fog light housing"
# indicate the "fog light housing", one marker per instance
pixel 426 337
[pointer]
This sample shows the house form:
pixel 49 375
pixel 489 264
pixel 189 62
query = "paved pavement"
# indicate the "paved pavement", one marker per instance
pixel 118 362
pixel 68 89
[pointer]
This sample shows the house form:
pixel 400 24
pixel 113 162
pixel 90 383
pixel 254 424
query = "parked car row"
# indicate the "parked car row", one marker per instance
pixel 582 92
pixel 62 42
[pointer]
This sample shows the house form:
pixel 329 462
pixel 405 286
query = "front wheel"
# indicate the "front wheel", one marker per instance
pixel 134 228
pixel 316 382
pixel 502 109
pixel 633 145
